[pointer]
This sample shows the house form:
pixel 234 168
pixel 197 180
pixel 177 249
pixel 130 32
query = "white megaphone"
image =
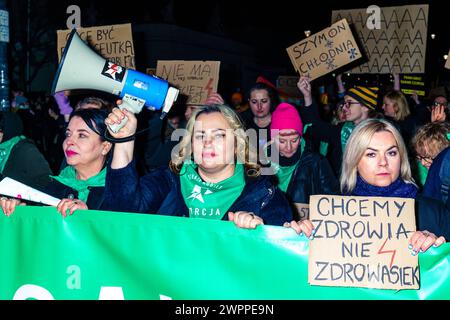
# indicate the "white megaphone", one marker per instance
pixel 83 68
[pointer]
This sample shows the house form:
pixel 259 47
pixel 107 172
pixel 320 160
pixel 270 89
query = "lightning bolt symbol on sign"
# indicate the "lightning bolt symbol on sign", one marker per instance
pixel 208 86
pixel 380 251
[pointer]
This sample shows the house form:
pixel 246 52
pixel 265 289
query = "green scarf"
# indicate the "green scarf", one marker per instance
pixel 68 177
pixel 5 150
pixel 210 200
pixel 284 174
pixel 346 131
pixel 422 173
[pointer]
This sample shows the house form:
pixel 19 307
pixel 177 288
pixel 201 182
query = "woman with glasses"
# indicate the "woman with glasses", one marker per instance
pixel 360 103
pixel 432 145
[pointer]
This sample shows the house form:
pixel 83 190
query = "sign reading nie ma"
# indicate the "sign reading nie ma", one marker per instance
pixel 362 242
pixel 398 42
pixel 196 79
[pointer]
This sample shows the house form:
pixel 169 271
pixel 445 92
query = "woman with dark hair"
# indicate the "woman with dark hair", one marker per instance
pixel 212 175
pixel 262 101
pixel 80 185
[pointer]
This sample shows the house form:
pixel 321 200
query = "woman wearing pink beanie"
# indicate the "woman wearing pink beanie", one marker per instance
pixel 300 172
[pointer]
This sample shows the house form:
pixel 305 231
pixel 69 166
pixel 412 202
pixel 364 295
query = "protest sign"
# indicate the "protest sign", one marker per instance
pixel 12 188
pixel 113 42
pixel 288 85
pixel 195 79
pixel 396 43
pixel 412 83
pixel 362 242
pixel 324 51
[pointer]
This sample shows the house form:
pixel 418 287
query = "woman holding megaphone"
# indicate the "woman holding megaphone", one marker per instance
pixel 212 175
pixel 80 185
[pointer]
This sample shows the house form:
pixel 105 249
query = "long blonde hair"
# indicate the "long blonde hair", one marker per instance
pixel 242 150
pixel 358 143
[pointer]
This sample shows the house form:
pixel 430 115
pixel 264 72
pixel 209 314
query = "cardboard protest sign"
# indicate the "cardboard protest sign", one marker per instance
pixel 394 38
pixel 325 51
pixel 288 85
pixel 447 64
pixel 114 42
pixel 195 79
pixel 362 242
pixel 410 84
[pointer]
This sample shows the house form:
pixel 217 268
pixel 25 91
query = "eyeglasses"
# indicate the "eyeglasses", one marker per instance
pixel 437 104
pixel 349 103
pixel 428 160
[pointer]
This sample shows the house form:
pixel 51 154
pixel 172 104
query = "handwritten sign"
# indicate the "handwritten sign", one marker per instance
pixel 398 45
pixel 362 242
pixel 114 42
pixel 412 83
pixel 195 79
pixel 325 51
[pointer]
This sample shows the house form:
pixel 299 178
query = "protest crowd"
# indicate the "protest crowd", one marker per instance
pixel 252 158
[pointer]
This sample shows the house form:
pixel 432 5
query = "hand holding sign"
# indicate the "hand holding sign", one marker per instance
pixel 9 205
pixel 363 242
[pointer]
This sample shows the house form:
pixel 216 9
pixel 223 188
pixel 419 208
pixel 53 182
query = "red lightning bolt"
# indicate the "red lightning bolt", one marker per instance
pixel 387 251
pixel 208 86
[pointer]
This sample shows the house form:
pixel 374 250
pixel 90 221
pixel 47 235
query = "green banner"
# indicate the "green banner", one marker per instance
pixel 110 255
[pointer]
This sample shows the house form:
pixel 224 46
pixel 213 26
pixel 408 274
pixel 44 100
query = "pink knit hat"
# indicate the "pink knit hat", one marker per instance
pixel 286 116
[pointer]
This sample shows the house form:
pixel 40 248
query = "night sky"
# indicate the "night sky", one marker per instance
pixel 268 27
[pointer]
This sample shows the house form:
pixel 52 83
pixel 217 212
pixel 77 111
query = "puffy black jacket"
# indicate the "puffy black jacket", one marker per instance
pixel 159 191
pixel 313 175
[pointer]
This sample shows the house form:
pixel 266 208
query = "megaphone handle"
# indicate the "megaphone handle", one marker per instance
pixel 116 127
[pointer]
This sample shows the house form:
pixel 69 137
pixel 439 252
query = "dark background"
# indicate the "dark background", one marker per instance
pixel 261 31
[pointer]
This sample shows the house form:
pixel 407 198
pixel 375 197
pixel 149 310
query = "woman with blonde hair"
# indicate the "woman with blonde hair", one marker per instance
pixel 212 175
pixel 376 165
pixel 396 110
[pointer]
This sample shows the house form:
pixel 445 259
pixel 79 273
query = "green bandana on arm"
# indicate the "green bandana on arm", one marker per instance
pixel 5 150
pixel 68 177
pixel 210 200
pixel 346 131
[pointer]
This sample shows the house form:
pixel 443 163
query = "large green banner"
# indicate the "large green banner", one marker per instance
pixel 111 255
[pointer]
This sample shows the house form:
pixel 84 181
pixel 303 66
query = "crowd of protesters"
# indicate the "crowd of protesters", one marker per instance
pixel 216 163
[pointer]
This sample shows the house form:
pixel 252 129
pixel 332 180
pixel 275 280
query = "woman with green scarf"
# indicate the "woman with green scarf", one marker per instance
pixel 212 175
pixel 81 184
